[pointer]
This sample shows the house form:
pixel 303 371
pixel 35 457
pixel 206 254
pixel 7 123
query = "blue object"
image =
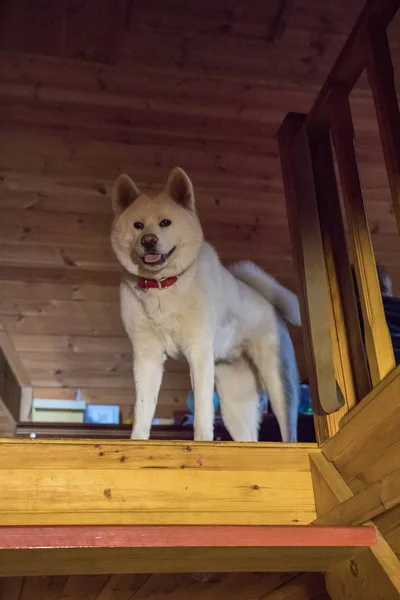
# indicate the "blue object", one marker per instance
pixel 391 307
pixel 264 403
pixel 190 402
pixel 100 414
pixel 305 407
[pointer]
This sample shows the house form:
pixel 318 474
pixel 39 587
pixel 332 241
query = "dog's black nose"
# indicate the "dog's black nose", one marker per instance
pixel 149 241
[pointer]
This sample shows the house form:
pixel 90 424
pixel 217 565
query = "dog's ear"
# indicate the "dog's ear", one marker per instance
pixel 180 188
pixel 123 194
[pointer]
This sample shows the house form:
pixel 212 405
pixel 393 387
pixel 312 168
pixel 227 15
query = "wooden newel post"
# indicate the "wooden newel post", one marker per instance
pixel 308 252
pixel 348 346
pixel 377 339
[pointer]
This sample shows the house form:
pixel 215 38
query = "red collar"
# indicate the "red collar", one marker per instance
pixel 146 284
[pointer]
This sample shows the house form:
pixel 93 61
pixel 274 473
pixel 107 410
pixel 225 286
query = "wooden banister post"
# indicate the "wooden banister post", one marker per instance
pixel 349 352
pixel 381 79
pixel 309 260
pixel 377 339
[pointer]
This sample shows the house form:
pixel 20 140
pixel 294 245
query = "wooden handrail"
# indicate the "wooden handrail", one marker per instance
pixel 381 80
pixel 352 59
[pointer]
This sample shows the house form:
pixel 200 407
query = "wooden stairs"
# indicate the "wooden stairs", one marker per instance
pixel 114 507
pixel 86 508
pixel 76 507
pixel 126 549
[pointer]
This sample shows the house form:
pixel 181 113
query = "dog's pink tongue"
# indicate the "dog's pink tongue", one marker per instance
pixel 152 258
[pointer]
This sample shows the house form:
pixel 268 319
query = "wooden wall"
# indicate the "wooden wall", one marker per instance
pixel 88 91
pixel 261 586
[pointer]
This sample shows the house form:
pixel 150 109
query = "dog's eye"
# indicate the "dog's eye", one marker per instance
pixel 165 223
pixel 138 225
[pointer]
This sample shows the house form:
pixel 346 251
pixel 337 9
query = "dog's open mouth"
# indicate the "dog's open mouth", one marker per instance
pixel 155 260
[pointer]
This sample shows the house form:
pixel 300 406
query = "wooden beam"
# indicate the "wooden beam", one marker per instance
pixel 351 61
pixel 366 449
pixel 361 508
pixel 82 561
pixel 160 549
pixel 363 577
pixel 370 397
pixel 353 509
pixel 377 338
pixel 310 265
pixel 373 572
pixel 330 490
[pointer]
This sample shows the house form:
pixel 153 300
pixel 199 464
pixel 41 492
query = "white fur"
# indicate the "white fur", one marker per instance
pixel 227 328
pixel 283 299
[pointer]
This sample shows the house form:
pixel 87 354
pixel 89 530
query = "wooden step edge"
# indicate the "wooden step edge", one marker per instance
pixel 184 536
pixel 24 442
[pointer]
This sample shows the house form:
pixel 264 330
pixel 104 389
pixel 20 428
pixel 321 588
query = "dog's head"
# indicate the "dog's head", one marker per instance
pixel 156 236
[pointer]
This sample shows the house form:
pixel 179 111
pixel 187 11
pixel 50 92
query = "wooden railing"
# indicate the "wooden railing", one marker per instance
pixel 343 364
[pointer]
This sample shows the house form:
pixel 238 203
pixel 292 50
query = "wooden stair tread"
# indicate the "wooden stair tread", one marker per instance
pixel 183 536
pixel 86 550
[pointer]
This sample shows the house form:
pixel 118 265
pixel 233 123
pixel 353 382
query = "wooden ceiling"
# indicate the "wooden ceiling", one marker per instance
pixel 236 586
pixel 90 89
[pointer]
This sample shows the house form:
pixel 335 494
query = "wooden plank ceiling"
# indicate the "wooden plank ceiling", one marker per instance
pixel 89 90
pixel 236 586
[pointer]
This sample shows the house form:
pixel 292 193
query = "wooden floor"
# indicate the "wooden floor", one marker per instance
pixel 235 586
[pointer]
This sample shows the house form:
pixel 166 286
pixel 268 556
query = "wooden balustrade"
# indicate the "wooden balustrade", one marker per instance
pixel 348 347
pixel 377 338
pixel 381 79
pixel 315 299
pixel 328 241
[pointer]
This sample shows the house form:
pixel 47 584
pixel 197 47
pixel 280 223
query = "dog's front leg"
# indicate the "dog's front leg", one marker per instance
pixel 201 362
pixel 148 369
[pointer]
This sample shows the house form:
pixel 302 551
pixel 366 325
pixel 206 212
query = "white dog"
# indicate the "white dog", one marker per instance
pixel 178 300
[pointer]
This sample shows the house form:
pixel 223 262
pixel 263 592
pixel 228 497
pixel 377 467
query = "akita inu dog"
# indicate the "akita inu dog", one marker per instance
pixel 177 299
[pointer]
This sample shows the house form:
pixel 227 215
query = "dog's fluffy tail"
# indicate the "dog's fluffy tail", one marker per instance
pixel 285 301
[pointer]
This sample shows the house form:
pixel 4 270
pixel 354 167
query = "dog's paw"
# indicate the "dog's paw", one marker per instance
pixel 203 435
pixel 139 435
